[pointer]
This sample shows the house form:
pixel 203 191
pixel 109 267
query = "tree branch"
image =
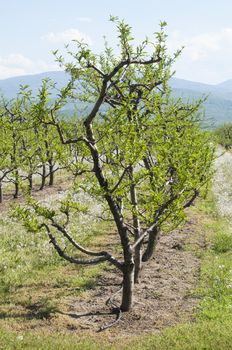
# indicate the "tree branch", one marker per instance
pixel 158 213
pixel 69 258
pixel 120 180
pixel 107 256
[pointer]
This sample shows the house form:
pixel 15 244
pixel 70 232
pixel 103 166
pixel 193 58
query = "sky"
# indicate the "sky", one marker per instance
pixel 32 29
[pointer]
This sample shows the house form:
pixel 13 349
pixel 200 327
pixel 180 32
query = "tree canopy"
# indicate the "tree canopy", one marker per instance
pixel 140 153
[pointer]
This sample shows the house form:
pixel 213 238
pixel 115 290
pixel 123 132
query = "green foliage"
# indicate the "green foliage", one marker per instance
pixel 216 271
pixel 222 242
pixel 140 154
pixel 224 135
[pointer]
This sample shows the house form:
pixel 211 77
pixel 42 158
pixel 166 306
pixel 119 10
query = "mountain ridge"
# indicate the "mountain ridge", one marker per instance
pixel 218 106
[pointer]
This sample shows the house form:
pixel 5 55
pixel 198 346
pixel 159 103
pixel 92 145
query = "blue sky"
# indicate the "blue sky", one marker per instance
pixel 31 29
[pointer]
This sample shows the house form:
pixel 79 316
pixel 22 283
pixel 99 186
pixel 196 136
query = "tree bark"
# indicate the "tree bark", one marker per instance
pixel 43 177
pixel 16 193
pixel 152 241
pixel 1 193
pixel 30 183
pixel 128 286
pixel 137 228
pixel 51 173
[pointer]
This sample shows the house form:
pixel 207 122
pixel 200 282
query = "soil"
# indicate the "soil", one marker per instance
pixel 164 297
pixel 58 188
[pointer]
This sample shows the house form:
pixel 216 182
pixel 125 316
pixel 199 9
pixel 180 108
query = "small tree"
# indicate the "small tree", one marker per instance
pixel 13 120
pixel 224 135
pixel 5 148
pixel 50 151
pixel 140 154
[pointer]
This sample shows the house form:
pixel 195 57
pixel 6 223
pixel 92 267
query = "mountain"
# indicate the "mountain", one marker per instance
pixel 226 85
pixel 218 106
pixel 10 87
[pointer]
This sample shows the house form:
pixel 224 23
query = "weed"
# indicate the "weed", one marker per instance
pixel 222 242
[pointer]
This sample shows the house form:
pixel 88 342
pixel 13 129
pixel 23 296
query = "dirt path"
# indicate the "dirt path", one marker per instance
pixel 222 187
pixel 163 298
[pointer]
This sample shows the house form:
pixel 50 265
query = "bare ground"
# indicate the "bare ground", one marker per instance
pixel 164 297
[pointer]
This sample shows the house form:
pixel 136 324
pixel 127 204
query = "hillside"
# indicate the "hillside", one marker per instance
pixel 218 107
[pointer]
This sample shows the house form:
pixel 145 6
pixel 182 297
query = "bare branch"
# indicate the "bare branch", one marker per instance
pixel 107 256
pixel 120 179
pixel 191 200
pixel 158 213
pixel 60 132
pixel 69 258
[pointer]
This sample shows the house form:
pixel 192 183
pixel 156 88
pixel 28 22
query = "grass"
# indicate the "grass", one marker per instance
pixel 34 286
pixel 35 283
pixel 211 329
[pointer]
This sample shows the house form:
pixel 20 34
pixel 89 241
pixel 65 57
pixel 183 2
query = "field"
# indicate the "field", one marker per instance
pixel 184 299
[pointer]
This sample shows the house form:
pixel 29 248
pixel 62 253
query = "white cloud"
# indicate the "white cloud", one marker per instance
pixel 206 57
pixel 202 46
pixel 66 36
pixel 16 64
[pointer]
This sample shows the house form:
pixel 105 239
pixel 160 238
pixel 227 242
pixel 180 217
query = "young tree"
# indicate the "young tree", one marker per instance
pixel 50 151
pixel 5 148
pixel 224 135
pixel 140 154
pixel 16 125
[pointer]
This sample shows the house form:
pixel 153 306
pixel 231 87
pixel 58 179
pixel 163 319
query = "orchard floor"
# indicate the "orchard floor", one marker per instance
pixel 65 305
pixel 165 296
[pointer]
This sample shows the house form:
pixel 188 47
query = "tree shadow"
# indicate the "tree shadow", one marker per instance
pixel 86 314
pixel 40 310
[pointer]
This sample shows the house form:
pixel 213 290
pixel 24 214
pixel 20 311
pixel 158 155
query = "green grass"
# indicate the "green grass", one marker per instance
pixel 35 282
pixel 205 335
pixel 40 283
pixel 212 328
pixel 29 260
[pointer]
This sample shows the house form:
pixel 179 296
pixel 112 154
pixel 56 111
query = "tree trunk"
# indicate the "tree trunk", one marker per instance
pixel 1 194
pixel 30 183
pixel 128 287
pixel 43 178
pixel 51 173
pixel 16 193
pixel 138 262
pixel 152 241
pixel 136 227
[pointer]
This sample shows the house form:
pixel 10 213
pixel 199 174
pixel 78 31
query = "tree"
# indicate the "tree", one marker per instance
pixel 224 135
pixel 5 147
pixel 14 113
pixel 140 153
pixel 51 153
